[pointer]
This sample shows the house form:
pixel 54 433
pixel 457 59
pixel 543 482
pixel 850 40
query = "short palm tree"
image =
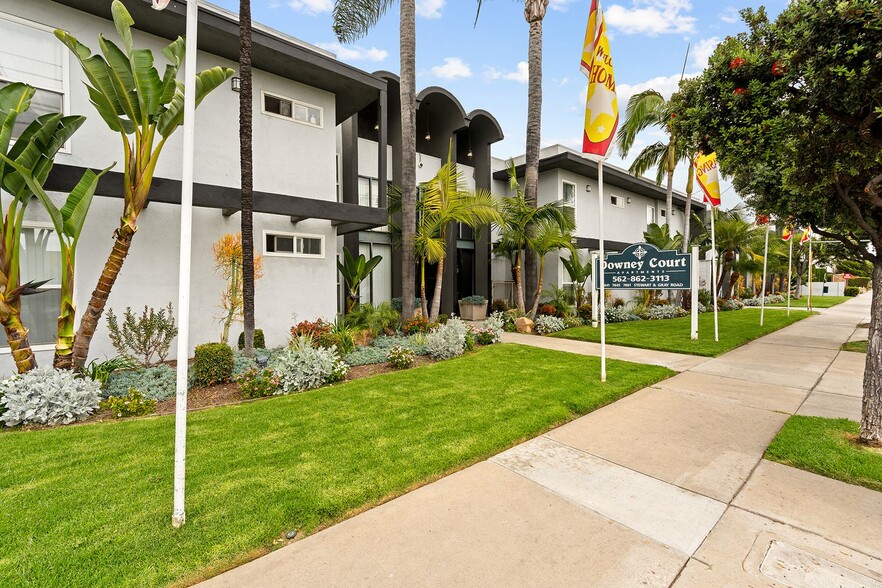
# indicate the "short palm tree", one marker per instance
pixel 579 273
pixel 660 236
pixel 352 20
pixel 548 236
pixel 735 237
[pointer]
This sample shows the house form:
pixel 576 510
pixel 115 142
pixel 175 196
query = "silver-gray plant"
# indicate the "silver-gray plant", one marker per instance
pixel 447 340
pixel 305 368
pixel 46 396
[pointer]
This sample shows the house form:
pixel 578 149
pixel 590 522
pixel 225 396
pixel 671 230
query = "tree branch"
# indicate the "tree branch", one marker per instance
pixel 849 244
pixel 859 217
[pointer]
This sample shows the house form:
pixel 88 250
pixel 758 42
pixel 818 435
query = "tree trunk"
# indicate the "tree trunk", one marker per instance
pixel 871 413
pixel 518 283
pixel 424 303
pixel 247 173
pixel 20 346
pixel 408 154
pixel 669 199
pixel 64 339
pixel 534 12
pixel 436 296
pixel 98 301
pixel 538 289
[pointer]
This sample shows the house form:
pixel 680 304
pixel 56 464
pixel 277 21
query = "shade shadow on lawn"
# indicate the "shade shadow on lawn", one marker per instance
pixel 91 505
pixel 737 327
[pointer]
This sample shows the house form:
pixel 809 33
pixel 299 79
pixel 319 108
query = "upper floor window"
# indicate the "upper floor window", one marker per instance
pixel 30 53
pixel 368 192
pixel 650 215
pixel 617 201
pixel 663 214
pixel 568 199
pixel 293 245
pixel 292 109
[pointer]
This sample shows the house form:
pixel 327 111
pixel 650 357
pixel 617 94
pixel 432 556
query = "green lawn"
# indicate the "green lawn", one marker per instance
pixel 737 327
pixel 817 301
pixel 856 346
pixel 91 505
pixel 824 446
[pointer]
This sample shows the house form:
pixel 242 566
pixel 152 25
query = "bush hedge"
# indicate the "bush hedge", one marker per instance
pixel 852 291
pixel 213 364
pixel 259 341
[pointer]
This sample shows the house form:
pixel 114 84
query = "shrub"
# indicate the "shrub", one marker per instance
pixel 484 338
pixel 257 383
pixel 312 329
pixel 573 321
pixel 415 342
pixel 242 363
pixel 859 282
pixel 704 297
pixel 377 320
pixel 666 311
pixel 145 336
pixel 549 324
pixel 498 305
pixel 366 356
pixel 418 324
pixel 490 331
pixel 132 404
pixel 776 299
pixel 470 341
pixel 618 314
pixel 213 364
pixel 702 308
pixel 46 396
pixel 339 335
pixel 618 302
pixel 259 341
pixel 396 303
pixel 447 340
pixel 584 313
pixel 303 367
pixel 474 299
pixel 442 319
pixel 546 310
pixel 851 291
pixel 100 371
pixel 400 357
pixel 157 382
pixel 733 304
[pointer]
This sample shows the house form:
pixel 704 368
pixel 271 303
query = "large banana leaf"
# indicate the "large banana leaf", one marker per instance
pixel 14 99
pixel 206 81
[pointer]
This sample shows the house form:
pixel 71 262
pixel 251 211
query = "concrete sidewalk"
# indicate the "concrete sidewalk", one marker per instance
pixel 665 487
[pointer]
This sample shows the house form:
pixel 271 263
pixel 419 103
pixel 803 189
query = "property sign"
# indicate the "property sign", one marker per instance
pixel 645 267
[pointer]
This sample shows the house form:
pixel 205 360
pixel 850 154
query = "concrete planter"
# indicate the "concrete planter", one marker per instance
pixel 469 311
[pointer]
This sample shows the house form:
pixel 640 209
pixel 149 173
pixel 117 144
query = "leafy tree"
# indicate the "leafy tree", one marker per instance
pixel 246 169
pixel 352 20
pixel 355 270
pixel 145 109
pixel 792 108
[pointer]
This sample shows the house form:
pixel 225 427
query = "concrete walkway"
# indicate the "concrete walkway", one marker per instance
pixel 665 487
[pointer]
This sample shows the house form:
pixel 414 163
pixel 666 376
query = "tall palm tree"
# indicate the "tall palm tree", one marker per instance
pixel 650 109
pixel 534 13
pixel 735 237
pixel 352 20
pixel 246 163
pixel 548 236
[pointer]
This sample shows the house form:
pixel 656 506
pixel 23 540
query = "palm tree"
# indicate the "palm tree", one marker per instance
pixel 734 239
pixel 246 164
pixel 650 109
pixel 517 216
pixel 154 105
pixel 660 236
pixel 534 13
pixel 548 236
pixel 352 20
pixel 579 273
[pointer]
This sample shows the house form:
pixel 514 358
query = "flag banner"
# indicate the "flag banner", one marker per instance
pixel 602 104
pixel 786 234
pixel 806 236
pixel 708 177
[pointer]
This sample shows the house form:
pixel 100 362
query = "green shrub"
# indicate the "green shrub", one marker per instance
pixel 474 299
pixel 242 363
pixel 442 318
pixel 585 313
pixel 100 371
pixel 852 291
pixel 400 357
pixel 366 356
pixel 213 364
pixel 704 297
pixel 145 336
pixel 418 324
pixel 132 404
pixel 378 320
pixel 499 306
pixel 859 282
pixel 258 383
pixel 46 396
pixel 397 304
pixel 259 341
pixel 302 367
pixel 469 341
pixel 485 338
pixel 157 382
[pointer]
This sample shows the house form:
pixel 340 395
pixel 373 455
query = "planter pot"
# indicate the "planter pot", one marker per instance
pixel 470 311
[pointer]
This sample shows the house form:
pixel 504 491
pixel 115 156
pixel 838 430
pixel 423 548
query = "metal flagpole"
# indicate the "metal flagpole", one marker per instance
pixel 714 272
pixel 179 515
pixel 789 270
pixel 765 268
pixel 594 303
pixel 811 275
pixel 694 280
pixel 600 276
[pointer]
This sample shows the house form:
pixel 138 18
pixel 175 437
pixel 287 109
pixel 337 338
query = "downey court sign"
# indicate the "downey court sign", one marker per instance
pixel 645 267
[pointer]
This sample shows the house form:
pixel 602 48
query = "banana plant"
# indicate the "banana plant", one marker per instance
pixel 355 270
pixel 33 153
pixel 145 109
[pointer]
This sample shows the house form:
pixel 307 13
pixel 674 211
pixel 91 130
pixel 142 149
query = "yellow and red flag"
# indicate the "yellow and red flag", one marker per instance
pixel 787 234
pixel 602 104
pixel 807 235
pixel 708 177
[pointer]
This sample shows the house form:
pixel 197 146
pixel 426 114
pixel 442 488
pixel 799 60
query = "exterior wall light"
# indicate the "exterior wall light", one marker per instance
pixel 236 84
pixel 628 200
pixel 588 188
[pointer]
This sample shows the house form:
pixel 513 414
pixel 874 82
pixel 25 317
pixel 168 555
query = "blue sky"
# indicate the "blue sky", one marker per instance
pixel 485 66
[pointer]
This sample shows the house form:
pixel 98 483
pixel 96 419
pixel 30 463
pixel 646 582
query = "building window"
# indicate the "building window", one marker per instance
pixel 617 201
pixel 663 214
pixel 368 192
pixel 293 245
pixel 292 110
pixel 650 215
pixel 377 288
pixel 31 54
pixel 568 200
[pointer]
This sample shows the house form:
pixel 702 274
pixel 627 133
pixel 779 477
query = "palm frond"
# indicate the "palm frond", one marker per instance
pixel 651 157
pixel 354 18
pixel 644 110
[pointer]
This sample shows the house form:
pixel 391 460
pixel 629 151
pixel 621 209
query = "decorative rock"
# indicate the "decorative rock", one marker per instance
pixel 524 325
pixel 290 534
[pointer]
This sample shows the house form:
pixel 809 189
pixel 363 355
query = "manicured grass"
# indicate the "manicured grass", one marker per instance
pixel 91 505
pixel 826 447
pixel 856 346
pixel 737 327
pixel 817 301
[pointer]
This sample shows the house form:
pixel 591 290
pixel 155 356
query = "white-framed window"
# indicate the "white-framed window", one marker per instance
pixel 650 215
pixel 40 259
pixel 617 201
pixel 290 109
pixel 368 192
pixel 568 199
pixel 377 289
pixel 30 53
pixel 278 244
pixel 663 214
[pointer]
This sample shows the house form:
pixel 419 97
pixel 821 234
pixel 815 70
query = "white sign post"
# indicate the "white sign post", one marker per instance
pixel 789 269
pixel 714 275
pixel 695 263
pixel 594 302
pixel 765 269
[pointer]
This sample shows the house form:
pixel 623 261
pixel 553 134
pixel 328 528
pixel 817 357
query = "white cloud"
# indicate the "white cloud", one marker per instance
pixel 429 8
pixel 453 68
pixel 702 50
pixel 652 17
pixel 665 85
pixel 521 74
pixel 312 6
pixel 730 15
pixel 560 5
pixel 355 52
